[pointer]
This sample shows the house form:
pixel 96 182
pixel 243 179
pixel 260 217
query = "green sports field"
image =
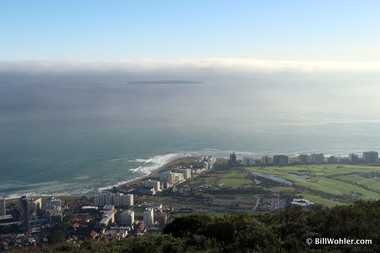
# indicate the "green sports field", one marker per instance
pixel 329 184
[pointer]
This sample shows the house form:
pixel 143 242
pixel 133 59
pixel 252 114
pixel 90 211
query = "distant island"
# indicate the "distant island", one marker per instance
pixel 164 82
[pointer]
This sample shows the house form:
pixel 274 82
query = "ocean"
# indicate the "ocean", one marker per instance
pixel 80 133
pixel 84 155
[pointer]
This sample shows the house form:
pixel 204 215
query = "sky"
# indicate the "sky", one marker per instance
pixel 296 30
pixel 247 61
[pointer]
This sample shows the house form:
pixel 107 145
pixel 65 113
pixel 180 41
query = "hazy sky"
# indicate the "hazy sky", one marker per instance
pixel 325 30
pixel 241 60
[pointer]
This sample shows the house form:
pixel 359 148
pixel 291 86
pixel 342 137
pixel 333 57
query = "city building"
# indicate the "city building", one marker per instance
pixel 280 159
pixel 171 178
pixel 332 159
pixel 232 160
pixel 108 218
pixel 103 199
pixel 303 159
pixel 2 207
pixel 29 208
pixel 153 184
pixel 370 156
pixel 24 213
pixel 148 216
pixel 53 210
pixel 89 209
pixel 117 232
pixel 206 162
pixel 162 219
pixel 128 217
pixel 186 172
pixel 178 177
pixel 166 177
pixel 247 161
pixel 35 204
pixel 317 158
pixel 211 161
pixel 53 203
pixel 117 199
pixel 353 158
pixel 303 203
pixel 109 207
pixel 130 200
pixel 266 160
pixel 54 215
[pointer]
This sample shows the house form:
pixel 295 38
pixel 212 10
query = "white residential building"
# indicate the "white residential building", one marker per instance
pixel 153 184
pixel 117 199
pixel 178 177
pixel 206 162
pixel 35 204
pixel 130 200
pixel 108 218
pixel 148 216
pixel 166 177
pixel 186 172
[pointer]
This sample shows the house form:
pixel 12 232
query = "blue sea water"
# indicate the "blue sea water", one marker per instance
pixel 83 155
pixel 79 134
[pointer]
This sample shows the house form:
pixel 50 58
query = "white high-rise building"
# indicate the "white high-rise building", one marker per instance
pixel 211 161
pixel 117 199
pixel 103 199
pixel 166 177
pixel 130 199
pixel 206 162
pixel 148 216
pixel 153 184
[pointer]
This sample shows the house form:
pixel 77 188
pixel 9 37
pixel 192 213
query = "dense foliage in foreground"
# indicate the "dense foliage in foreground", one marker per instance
pixel 286 231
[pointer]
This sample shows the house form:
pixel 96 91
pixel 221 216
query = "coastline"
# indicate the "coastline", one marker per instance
pixel 149 170
pixel 181 161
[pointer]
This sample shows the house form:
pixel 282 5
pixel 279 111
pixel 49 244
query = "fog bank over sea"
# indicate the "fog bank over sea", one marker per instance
pixel 77 132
